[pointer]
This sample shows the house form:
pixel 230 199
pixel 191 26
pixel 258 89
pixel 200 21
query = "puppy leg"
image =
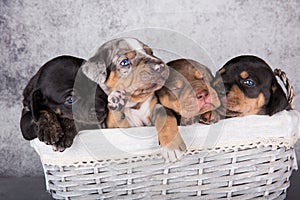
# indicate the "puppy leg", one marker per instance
pixel 116 117
pixel 49 129
pixel 188 121
pixel 69 133
pixel 172 144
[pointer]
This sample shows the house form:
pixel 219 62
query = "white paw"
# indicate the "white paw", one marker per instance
pixel 171 155
pixel 174 150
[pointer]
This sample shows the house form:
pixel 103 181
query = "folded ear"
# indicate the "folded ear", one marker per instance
pixel 96 68
pixel 28 127
pixel 278 101
pixel 218 85
pixel 37 99
pixel 95 71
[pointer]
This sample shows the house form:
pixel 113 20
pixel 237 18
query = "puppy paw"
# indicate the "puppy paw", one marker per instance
pixel 174 150
pixel 117 100
pixel 49 129
pixel 69 133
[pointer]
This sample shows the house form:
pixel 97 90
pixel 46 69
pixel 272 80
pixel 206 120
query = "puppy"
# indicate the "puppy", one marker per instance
pixel 247 86
pixel 52 102
pixel 189 93
pixel 127 70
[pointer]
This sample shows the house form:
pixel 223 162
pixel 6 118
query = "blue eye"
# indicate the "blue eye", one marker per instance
pixel 69 100
pixel 125 62
pixel 248 82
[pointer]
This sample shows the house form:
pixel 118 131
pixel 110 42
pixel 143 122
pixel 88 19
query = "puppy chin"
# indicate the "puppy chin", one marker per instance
pixel 206 108
pixel 230 113
pixel 189 111
pixel 142 93
pixel 234 112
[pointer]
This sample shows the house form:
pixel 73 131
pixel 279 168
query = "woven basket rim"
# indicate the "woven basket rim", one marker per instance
pixel 281 129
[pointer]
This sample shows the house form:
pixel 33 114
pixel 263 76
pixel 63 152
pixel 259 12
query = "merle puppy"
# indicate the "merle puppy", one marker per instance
pixel 59 100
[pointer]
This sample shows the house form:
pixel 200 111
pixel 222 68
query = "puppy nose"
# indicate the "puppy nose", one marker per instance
pixel 201 94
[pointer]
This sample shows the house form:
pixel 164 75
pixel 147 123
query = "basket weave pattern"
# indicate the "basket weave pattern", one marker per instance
pixel 258 172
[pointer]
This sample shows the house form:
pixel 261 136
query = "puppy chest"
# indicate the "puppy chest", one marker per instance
pixel 139 117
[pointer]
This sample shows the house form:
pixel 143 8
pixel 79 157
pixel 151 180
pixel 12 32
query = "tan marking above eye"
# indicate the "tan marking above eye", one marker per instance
pixel 198 75
pixel 178 84
pixel 274 88
pixel 222 71
pixel 244 75
pixel 130 54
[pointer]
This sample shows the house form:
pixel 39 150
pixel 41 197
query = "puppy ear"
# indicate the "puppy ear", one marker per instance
pixel 37 99
pixel 278 101
pixel 148 49
pixel 96 68
pixel 28 128
pixel 95 71
pixel 218 85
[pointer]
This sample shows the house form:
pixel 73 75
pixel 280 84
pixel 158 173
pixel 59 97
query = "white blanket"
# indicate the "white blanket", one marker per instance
pixel 282 129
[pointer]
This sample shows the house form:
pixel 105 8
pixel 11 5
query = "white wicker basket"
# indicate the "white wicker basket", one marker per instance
pixel 242 158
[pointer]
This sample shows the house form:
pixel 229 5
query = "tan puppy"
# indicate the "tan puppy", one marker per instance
pixel 129 73
pixel 188 92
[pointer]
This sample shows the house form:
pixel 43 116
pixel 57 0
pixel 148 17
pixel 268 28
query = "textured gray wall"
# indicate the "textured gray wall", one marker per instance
pixel 32 32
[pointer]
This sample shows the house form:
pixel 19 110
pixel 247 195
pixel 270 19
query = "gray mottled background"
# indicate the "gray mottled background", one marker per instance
pixel 32 32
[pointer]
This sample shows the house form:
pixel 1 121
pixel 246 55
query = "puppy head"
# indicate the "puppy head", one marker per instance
pixel 65 90
pixel 188 89
pixel 55 86
pixel 127 64
pixel 250 87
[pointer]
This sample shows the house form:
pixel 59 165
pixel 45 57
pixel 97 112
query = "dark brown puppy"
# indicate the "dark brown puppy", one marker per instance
pixel 250 87
pixel 188 91
pixel 52 101
pixel 129 73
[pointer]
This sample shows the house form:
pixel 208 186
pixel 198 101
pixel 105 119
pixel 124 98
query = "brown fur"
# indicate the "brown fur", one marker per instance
pixel 131 87
pixel 188 84
pixel 49 115
pixel 236 100
pixel 247 86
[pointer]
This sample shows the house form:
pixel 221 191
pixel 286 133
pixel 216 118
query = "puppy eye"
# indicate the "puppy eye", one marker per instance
pixel 69 100
pixel 125 62
pixel 248 82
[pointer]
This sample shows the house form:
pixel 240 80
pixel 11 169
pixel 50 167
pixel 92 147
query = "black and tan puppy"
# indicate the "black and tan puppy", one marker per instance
pixel 52 101
pixel 189 93
pixel 127 70
pixel 250 87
